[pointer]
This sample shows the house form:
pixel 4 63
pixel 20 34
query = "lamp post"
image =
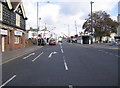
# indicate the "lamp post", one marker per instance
pixel 76 27
pixel 38 11
pixel 38 18
pixel 39 22
pixel 91 17
pixel 68 31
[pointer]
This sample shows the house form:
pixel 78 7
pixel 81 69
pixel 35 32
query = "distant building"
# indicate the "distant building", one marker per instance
pixel 12 25
pixel 44 33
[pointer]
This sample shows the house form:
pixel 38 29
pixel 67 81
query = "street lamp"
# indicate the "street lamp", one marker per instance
pixel 76 27
pixel 38 12
pixel 38 18
pixel 91 17
pixel 68 31
pixel 39 22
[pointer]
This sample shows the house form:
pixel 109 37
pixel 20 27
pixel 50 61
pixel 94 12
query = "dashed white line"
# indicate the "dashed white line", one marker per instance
pixel 8 81
pixel 65 64
pixel 70 86
pixel 99 50
pixel 111 54
pixel 61 47
pixel 106 52
pixel 62 51
pixel 37 57
pixel 50 55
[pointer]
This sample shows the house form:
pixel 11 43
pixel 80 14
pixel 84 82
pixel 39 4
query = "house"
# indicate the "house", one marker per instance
pixel 12 25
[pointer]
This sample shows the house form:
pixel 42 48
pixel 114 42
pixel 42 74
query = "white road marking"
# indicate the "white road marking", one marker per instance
pixel 65 64
pixel 99 50
pixel 54 52
pixel 29 55
pixel 60 45
pixel 37 57
pixel 62 51
pixel 111 54
pixel 50 55
pixel 70 86
pixel 8 81
pixel 117 55
pixel 106 52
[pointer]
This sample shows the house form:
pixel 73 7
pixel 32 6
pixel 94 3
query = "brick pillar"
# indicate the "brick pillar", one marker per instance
pixel 12 40
pixel 23 38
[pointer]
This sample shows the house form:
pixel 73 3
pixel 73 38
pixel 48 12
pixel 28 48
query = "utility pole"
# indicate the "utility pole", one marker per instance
pixel 118 31
pixel 91 18
pixel 76 27
pixel 37 13
pixel 68 31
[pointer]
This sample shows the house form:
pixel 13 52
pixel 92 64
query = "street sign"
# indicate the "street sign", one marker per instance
pixel 36 30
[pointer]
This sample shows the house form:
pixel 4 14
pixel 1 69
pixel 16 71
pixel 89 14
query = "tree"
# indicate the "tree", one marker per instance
pixel 103 25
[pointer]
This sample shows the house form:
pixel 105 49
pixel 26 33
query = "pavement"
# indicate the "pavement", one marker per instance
pixel 11 55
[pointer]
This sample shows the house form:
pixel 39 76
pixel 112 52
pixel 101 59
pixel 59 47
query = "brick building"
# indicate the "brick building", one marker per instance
pixel 12 25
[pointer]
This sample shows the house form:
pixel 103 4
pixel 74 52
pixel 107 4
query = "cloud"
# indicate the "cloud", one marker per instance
pixel 60 13
pixel 114 18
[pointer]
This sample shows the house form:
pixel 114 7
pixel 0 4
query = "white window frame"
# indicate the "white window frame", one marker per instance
pixel 0 11
pixel 17 20
pixel 16 39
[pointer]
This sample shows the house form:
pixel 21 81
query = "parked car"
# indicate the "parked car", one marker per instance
pixel 52 41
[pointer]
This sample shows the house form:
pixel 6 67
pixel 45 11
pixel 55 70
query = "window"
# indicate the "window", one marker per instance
pixel 1 11
pixel 17 20
pixel 16 39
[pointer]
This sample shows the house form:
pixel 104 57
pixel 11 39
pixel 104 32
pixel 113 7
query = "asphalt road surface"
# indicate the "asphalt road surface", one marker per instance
pixel 64 65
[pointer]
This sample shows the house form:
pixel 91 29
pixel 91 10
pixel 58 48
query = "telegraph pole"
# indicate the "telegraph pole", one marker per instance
pixel 37 13
pixel 91 17
pixel 76 27
pixel 118 18
pixel 68 31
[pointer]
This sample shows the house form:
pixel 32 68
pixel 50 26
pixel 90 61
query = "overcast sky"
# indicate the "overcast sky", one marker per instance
pixel 59 13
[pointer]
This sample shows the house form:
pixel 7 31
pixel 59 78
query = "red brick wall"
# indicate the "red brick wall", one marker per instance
pixel 11 46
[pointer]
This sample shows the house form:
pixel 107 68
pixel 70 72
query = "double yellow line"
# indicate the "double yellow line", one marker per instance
pixel 17 56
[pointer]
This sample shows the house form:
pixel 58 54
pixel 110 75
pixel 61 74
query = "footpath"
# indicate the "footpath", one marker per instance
pixel 11 55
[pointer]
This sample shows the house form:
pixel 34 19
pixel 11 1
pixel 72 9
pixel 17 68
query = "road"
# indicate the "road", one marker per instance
pixel 64 65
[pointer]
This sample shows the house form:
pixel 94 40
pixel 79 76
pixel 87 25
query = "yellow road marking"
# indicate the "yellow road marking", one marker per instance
pixel 16 57
pixel 114 48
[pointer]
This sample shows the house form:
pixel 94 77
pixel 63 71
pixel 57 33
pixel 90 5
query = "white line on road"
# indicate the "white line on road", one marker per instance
pixel 29 55
pixel 62 51
pixel 60 45
pixel 65 64
pixel 50 55
pixel 8 81
pixel 100 50
pixel 70 86
pixel 37 57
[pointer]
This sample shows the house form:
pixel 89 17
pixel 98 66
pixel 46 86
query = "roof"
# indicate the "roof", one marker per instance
pixel 15 5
